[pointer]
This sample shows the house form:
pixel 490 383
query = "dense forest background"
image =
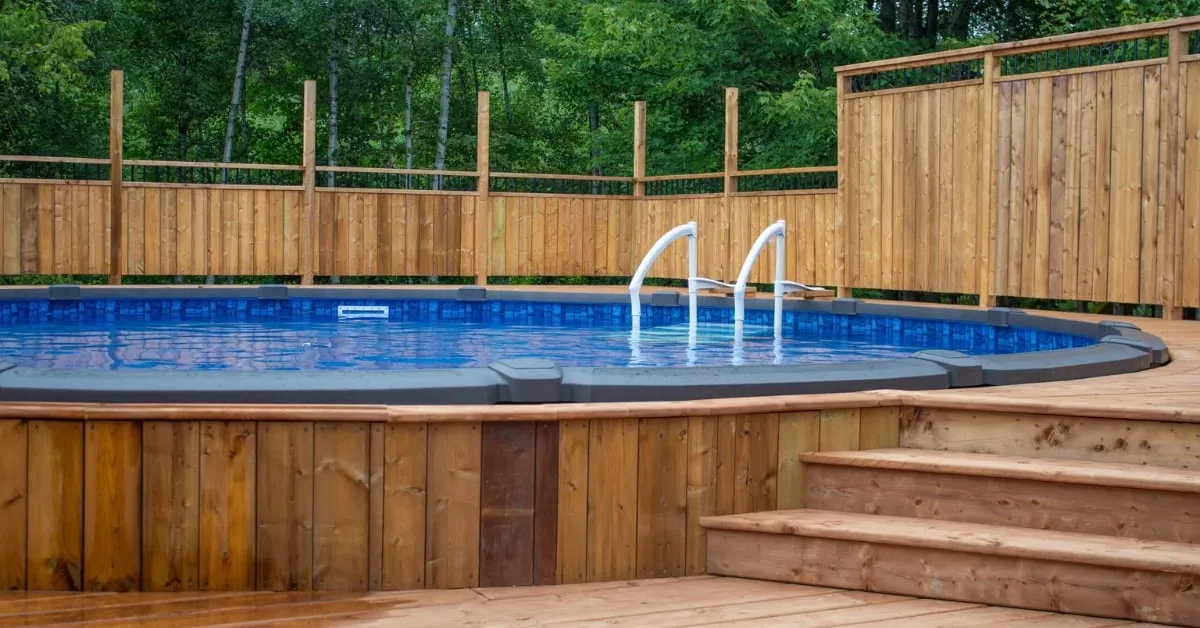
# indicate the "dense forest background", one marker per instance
pixel 216 80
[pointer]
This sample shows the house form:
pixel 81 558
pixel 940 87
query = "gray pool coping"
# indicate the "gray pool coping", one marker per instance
pixel 1121 347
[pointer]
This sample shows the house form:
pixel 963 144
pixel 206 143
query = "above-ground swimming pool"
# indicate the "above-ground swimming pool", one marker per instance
pixel 342 345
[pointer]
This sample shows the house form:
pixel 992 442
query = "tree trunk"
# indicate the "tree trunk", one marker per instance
pixel 887 15
pixel 594 127
pixel 444 116
pixel 931 22
pixel 408 107
pixel 245 127
pixel 335 53
pixel 499 26
pixel 960 19
pixel 239 78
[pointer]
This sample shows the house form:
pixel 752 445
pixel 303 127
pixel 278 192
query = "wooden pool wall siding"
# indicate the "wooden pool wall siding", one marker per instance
pixel 345 504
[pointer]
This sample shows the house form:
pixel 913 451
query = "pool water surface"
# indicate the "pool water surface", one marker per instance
pixel 249 335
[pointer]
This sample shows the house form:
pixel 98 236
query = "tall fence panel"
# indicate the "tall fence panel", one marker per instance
pixel 910 203
pixel 1064 168
pixel 1189 232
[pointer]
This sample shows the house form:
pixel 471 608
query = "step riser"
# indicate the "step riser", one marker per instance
pixel 1123 512
pixel 1156 443
pixel 960 576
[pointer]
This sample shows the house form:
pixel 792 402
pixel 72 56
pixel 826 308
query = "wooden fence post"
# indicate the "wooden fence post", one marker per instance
pixel 985 243
pixel 1171 275
pixel 483 204
pixel 842 271
pixel 308 215
pixel 731 167
pixel 116 156
pixel 639 148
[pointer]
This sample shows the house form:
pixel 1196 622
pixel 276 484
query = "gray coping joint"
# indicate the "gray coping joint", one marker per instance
pixel 664 299
pixel 847 307
pixel 471 293
pixel 998 316
pixel 529 380
pixel 65 292
pixel 965 371
pixel 273 292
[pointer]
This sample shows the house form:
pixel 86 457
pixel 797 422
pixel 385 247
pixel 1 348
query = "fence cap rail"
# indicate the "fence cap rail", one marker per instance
pixel 1010 48
pixel 209 164
pixel 683 177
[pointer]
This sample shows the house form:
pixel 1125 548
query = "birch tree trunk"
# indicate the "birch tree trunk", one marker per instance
pixel 335 53
pixel 496 12
pixel 444 117
pixel 239 78
pixel 408 106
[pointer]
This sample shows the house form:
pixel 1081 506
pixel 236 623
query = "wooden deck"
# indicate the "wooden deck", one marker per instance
pixel 696 601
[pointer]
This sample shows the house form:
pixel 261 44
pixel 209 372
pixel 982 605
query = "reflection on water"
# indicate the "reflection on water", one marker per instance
pixel 383 344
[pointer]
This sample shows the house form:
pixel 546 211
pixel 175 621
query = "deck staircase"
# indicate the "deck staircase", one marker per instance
pixel 1077 536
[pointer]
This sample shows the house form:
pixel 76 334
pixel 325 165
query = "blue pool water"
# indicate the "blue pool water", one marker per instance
pixel 306 334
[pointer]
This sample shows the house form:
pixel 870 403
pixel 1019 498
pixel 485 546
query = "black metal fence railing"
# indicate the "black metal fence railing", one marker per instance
pixel 913 77
pixel 146 173
pixel 674 187
pixel 1086 56
pixel 521 185
pixel 788 181
pixel 54 170
pixel 397 181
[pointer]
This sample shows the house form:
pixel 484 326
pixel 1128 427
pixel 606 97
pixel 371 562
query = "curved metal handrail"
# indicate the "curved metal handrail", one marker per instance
pixel 777 230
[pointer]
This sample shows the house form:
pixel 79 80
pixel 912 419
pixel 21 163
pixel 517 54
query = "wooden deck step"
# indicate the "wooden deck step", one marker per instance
pixel 1115 499
pixel 1017 567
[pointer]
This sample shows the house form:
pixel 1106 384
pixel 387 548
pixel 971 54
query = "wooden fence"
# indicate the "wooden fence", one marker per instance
pixel 234 499
pixel 1061 168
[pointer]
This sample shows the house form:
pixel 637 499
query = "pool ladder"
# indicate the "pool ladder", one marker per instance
pixel 776 231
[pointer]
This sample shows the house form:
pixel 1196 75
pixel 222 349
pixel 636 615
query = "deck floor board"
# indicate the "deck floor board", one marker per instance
pixel 692 601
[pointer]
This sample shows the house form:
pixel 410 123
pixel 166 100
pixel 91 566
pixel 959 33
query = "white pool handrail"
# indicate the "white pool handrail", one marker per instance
pixel 635 285
pixel 777 230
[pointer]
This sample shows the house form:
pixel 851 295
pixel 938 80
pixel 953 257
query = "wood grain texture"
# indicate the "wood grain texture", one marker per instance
pixel 112 506
pixel 612 499
pixel 404 504
pixel 170 544
pixel 453 508
pixel 285 512
pixel 55 541
pixel 799 433
pixel 341 506
pixel 701 488
pixel 507 504
pixel 573 491
pixel 545 504
pixel 228 496
pixel 14 502
pixel 662 498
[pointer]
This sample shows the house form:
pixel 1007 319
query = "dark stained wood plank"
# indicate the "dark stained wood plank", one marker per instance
pixel 375 515
pixel 662 497
pixel 341 506
pixel 545 504
pixel 285 510
pixel 111 506
pixel 170 505
pixel 14 489
pixel 759 443
pixel 55 543
pixel 228 483
pixel 452 527
pixel 404 504
pixel 507 503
